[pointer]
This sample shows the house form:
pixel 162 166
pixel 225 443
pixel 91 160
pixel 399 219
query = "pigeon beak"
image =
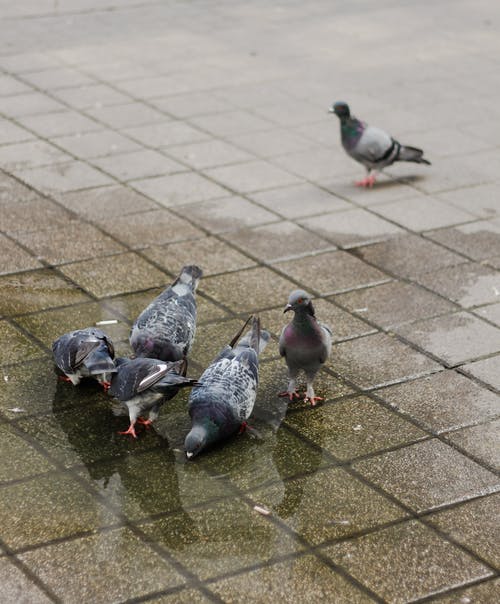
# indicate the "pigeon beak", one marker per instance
pixel 287 308
pixel 331 110
pixel 189 454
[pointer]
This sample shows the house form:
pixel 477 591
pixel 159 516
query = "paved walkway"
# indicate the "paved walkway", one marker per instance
pixel 137 136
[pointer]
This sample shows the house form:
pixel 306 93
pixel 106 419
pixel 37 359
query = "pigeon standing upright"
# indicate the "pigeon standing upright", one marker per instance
pixel 370 146
pixel 85 353
pixel 165 329
pixel 305 343
pixel 224 400
pixel 144 384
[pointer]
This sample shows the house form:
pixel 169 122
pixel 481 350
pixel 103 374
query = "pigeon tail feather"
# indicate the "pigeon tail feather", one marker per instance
pixel 412 154
pixel 189 275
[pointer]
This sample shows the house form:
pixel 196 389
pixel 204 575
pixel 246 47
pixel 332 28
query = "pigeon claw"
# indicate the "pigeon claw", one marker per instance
pixel 367 182
pixel 144 422
pixel 106 386
pixel 63 378
pixel 130 431
pixel 313 400
pixel 295 394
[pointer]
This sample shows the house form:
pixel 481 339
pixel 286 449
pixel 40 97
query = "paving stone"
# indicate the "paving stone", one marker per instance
pixel 15 346
pixel 332 272
pixel 96 144
pixel 292 581
pixel 477 240
pixel 138 164
pixel 491 313
pixel 127 115
pixel 443 401
pixel 20 460
pixel 30 154
pixel 422 563
pixel 63 177
pixel 316 164
pixel 468 284
pixel 293 112
pixel 453 338
pixel 409 255
pixel 15 258
pixel 28 61
pixel 92 96
pixel 251 176
pixel 428 475
pixel 18 587
pixel 185 596
pixel 125 567
pixel 231 123
pixel 13 192
pixel 483 593
pixel 189 105
pixel 269 143
pixel 9 85
pixel 351 228
pixel 209 154
pixel 481 442
pixel 29 104
pixel 59 123
pixel 36 290
pixel 486 370
pixel 11 133
pixel 277 241
pixel 179 189
pixel 150 87
pixel 481 200
pixel 394 303
pixel 57 77
pixel 114 274
pixel 165 134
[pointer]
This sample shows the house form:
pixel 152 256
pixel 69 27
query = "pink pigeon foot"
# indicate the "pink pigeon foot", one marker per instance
pixel 144 422
pixel 291 395
pixel 313 400
pixel 130 431
pixel 367 182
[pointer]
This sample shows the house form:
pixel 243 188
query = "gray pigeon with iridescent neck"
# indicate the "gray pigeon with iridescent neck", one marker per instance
pixel 370 146
pixel 165 329
pixel 305 343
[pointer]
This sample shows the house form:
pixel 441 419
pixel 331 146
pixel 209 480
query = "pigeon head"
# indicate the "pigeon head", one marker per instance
pixel 299 301
pixel 196 441
pixel 340 109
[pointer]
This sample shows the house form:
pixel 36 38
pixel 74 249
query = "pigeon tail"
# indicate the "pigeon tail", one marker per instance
pixel 412 154
pixel 256 338
pixel 190 275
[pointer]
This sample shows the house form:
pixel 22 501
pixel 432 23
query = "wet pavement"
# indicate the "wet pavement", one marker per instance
pixel 137 136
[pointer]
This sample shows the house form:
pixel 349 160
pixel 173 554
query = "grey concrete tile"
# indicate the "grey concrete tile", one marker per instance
pixel 490 312
pixel 461 523
pixel 481 442
pixel 354 427
pixel 153 86
pixel 30 154
pixel 443 401
pixel 351 228
pixel 419 214
pixel 211 254
pixel 43 214
pixel 293 112
pixel 57 77
pixel 12 191
pixel 230 123
pixel 298 201
pixel 179 189
pixel 29 104
pixel 127 115
pixel 422 563
pixel 295 580
pixel 165 134
pixel 125 568
pixel 69 176
pixel 253 94
pixel 428 475
pixel 11 133
pixel 251 176
pixel 453 173
pixel 191 104
pixel 269 143
pixel 91 96
pixel 20 62
pixel 138 164
pixel 477 240
pixel 316 164
pixel 59 123
pixel 18 587
pixel 483 593
pixel 10 86
pixel 209 154
pixel 480 200
pixel 156 227
pixel 278 241
pixel 446 142
pixel 486 370
pixel 15 258
pixel 20 460
pixel 409 255
pixel 453 338
pixel 333 272
pixel 96 144
pixel 377 360
pixel 394 303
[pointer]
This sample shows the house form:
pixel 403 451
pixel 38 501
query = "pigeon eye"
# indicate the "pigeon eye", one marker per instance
pixel 300 300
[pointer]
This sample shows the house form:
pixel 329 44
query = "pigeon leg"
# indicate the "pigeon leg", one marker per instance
pixel 368 181
pixel 131 430
pixel 310 396
pixel 292 393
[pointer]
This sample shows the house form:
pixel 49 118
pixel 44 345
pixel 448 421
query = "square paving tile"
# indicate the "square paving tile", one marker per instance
pixel 278 241
pixel 211 254
pixel 428 475
pixel 477 240
pixel 15 346
pixel 351 228
pixel 491 313
pixel 112 566
pixel 475 525
pixel 317 164
pixel 230 123
pixel 194 103
pixel 468 284
pixel 59 123
pixel 419 214
pixel 394 303
pixel 11 133
pixel 251 176
pixel 409 255
pixel 220 538
pixel 229 214
pixel 329 504
pixel 13 192
pixel 57 77
pixel 17 587
pixel 20 460
pixel 209 154
pixel 76 241
pixel 332 272
pixel 299 200
pixel 36 290
pixel 69 176
pixel 487 370
pixel 127 115
pixel 481 442
pixel 9 85
pixel 43 214
pixel 179 189
pixel 379 359
pixel 269 143
pixel 453 338
pixel 443 401
pixel 29 104
pixel 296 580
pixel 15 258
pixel 483 593
pixel 166 134
pixel 30 154
pixel 96 144
pixel 49 509
pixel 138 164
pixel 422 563
pixel 481 200
pixel 114 274
pixel 354 427
pixel 91 96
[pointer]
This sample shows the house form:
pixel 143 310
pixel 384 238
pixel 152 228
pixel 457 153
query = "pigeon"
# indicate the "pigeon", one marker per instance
pixel 144 384
pixel 305 343
pixel 85 353
pixel 165 329
pixel 370 146
pixel 222 403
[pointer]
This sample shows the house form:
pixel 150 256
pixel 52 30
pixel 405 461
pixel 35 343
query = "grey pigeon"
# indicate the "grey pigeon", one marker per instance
pixel 85 353
pixel 165 329
pixel 370 146
pixel 305 343
pixel 144 384
pixel 224 400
